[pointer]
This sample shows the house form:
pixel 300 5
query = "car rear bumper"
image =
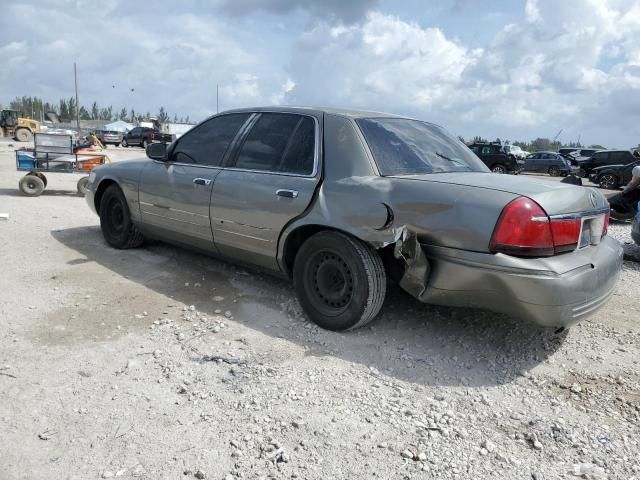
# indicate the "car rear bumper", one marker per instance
pixel 553 292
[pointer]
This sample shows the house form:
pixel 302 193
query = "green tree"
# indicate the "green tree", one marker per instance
pixel 163 116
pixel 95 111
pixel 123 114
pixel 84 114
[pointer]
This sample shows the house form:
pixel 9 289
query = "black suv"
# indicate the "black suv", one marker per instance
pixel 494 157
pixel 613 176
pixel 604 158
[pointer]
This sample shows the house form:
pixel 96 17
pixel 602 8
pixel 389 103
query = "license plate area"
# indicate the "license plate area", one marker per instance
pixel 591 232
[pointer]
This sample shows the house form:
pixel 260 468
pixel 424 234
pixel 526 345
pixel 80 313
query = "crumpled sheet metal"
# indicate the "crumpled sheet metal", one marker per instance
pixel 407 249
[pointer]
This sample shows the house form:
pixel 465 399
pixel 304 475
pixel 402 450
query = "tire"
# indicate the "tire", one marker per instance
pixel 124 143
pixel 608 181
pixel 145 143
pixel 31 185
pixel 24 135
pixel 582 173
pixel 499 168
pixel 554 171
pixel 41 177
pixel 115 220
pixel 340 281
pixel 83 185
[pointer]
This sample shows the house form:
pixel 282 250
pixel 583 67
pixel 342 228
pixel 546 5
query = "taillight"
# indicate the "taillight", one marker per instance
pixel 565 234
pixel 524 229
pixel 605 227
pixel 152 136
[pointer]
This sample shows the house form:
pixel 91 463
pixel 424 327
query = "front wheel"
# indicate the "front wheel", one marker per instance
pixel 115 220
pixel 339 280
pixel 124 143
pixel 608 181
pixel 31 185
pixel 499 168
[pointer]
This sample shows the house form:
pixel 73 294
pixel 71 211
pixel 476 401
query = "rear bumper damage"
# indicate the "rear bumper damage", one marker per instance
pixel 552 292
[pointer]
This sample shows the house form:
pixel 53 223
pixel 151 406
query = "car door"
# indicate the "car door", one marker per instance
pixel 530 162
pixel 133 135
pixel 269 181
pixel 175 194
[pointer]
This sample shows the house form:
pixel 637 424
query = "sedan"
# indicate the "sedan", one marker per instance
pixel 338 201
pixel 549 162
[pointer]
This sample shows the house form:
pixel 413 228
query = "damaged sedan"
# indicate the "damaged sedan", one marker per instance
pixel 339 201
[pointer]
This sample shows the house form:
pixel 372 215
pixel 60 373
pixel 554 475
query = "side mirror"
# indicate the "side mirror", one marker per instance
pixel 157 151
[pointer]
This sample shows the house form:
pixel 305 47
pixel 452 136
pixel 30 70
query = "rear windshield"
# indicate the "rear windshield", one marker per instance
pixel 410 147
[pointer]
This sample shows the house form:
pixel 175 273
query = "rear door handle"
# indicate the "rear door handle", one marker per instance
pixel 287 193
pixel 202 181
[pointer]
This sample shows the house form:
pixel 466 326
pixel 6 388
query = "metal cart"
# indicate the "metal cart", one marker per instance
pixel 55 153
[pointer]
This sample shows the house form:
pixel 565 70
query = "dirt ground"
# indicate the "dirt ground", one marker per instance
pixel 158 363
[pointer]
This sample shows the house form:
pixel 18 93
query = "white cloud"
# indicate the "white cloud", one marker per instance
pixel 573 64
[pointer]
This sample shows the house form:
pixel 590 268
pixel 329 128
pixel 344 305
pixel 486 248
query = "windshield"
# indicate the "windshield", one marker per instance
pixel 410 147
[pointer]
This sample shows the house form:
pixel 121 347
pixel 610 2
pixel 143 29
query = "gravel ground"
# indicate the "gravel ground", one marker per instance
pixel 160 363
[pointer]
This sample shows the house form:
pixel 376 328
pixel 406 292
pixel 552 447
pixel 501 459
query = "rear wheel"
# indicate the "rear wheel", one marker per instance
pixel 499 168
pixel 115 220
pixel 31 185
pixel 340 281
pixel 608 181
pixel 554 171
pixel 41 177
pixel 124 143
pixel 82 185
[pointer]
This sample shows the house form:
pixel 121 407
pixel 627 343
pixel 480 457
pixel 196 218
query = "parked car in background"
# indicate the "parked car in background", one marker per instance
pixel 337 200
pixel 605 158
pixel 494 157
pixel 549 162
pixel 613 176
pixel 109 137
pixel 143 136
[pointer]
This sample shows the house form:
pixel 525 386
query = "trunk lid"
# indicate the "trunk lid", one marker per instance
pixel 554 197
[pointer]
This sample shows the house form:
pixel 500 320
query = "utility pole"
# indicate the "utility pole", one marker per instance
pixel 217 98
pixel 75 78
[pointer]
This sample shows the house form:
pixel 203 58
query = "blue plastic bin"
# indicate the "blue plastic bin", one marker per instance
pixel 25 160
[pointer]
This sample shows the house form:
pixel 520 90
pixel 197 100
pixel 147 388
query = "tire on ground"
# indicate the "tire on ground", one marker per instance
pixel 115 220
pixel 31 185
pixel 499 168
pixel 339 280
pixel 24 135
pixel 83 185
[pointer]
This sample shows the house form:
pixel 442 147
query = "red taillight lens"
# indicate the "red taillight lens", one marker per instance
pixel 605 228
pixel 523 229
pixel 566 234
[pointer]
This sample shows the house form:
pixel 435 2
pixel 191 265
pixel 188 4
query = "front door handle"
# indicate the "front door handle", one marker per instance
pixel 287 193
pixel 202 181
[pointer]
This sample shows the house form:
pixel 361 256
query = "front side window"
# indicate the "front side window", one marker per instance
pixel 280 143
pixel 207 143
pixel 618 157
pixel 409 147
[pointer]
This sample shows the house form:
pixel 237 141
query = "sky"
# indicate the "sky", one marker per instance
pixel 509 69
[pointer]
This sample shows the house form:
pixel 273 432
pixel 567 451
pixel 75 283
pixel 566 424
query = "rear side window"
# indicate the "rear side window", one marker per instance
pixel 281 143
pixel 207 143
pixel 409 147
pixel 618 157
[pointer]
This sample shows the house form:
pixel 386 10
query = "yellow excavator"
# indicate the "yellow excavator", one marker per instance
pixel 18 128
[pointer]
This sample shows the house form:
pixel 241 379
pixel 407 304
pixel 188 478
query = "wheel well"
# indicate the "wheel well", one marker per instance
pixel 100 191
pixel 295 240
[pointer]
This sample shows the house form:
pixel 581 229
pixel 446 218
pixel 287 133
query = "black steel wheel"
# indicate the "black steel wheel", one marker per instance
pixel 31 185
pixel 115 220
pixel 340 281
pixel 608 181
pixel 499 168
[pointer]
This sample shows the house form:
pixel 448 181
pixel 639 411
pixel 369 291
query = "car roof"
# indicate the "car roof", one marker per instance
pixel 617 150
pixel 344 112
